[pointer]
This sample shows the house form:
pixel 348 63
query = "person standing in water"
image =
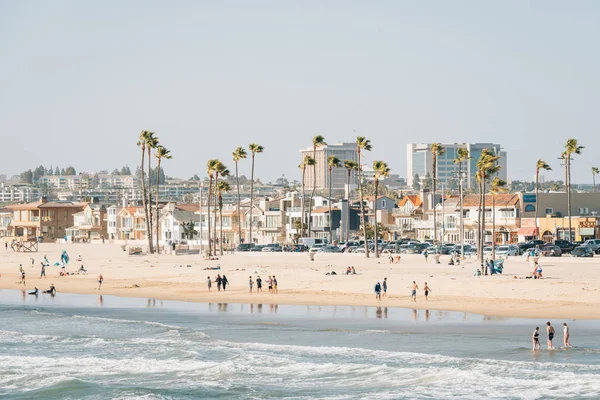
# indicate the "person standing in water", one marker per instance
pixel 550 331
pixel 100 280
pixel 566 335
pixel 427 289
pixel 535 338
pixel 414 291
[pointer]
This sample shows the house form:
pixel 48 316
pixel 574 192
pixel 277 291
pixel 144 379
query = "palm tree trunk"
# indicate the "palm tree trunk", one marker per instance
pixel 434 184
pixel 330 216
pixel 347 220
pixel 594 182
pixel 302 203
pixel 149 225
pixel 237 179
pixel 314 189
pixel 493 227
pixel 362 207
pixel 375 238
pixel 157 209
pixel 144 203
pixel 569 193
pixel 215 212
pixel 220 224
pixel 210 182
pixel 479 236
pixel 483 219
pixel 461 217
pixel 537 174
pixel 251 195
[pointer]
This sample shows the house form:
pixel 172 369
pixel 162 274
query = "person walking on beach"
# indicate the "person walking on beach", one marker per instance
pixel 224 282
pixel 550 331
pixel 270 282
pixel 274 285
pixel 258 285
pixel 5 246
pixel 100 280
pixel 425 254
pixel 384 285
pixel 427 289
pixel 219 281
pixel 414 291
pixel 43 271
pixel 208 283
pixel 250 283
pixel 536 338
pixel 378 291
pixel 23 277
pixel 566 335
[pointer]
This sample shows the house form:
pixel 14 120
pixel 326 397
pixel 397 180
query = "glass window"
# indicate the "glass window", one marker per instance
pixel 549 211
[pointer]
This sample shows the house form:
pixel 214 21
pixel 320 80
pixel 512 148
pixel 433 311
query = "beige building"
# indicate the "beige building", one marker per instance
pixel 343 151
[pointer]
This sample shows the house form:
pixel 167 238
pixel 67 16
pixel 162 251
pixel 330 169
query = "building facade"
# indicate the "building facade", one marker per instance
pixel 343 151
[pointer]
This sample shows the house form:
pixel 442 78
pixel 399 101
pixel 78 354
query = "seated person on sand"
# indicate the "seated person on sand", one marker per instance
pixel 348 270
pixel 353 270
pixel 52 289
pixel 82 270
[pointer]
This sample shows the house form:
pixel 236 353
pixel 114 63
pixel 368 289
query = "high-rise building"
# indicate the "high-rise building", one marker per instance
pixel 419 160
pixel 343 151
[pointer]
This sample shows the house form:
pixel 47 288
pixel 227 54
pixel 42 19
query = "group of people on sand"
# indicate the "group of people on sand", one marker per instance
pixel 394 259
pixel 414 287
pixel 271 284
pixel 550 332
pixel 381 290
pixel 221 282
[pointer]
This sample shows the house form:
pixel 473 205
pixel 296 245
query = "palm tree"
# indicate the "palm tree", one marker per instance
pixel 318 141
pixel 308 161
pixel 332 162
pixel 381 171
pixel 540 164
pixel 160 154
pixel 350 166
pixel 497 186
pixel 437 150
pixel 210 166
pixel 595 170
pixel 362 143
pixel 220 170
pixel 486 167
pixel 189 230
pixel 151 143
pixel 571 147
pixel 238 154
pixel 462 155
pixel 222 187
pixel 143 139
pixel 254 149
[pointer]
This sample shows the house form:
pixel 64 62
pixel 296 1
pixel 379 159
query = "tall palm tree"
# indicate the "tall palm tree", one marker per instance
pixel 595 170
pixel 238 154
pixel 143 139
pixel 362 144
pixel 254 149
pixel 222 187
pixel 332 162
pixel 308 161
pixel 497 186
pixel 462 155
pixel 160 154
pixel 486 167
pixel 210 168
pixel 571 147
pixel 318 141
pixel 540 164
pixel 381 170
pixel 437 150
pixel 350 166
pixel 151 143
pixel 220 170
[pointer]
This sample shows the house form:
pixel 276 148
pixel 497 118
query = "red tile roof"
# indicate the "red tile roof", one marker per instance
pixel 415 199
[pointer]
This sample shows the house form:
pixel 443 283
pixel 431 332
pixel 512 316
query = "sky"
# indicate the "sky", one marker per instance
pixel 80 80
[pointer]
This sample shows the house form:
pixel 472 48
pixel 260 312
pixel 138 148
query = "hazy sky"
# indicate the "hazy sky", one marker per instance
pixel 80 79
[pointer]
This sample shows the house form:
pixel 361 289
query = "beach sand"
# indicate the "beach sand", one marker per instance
pixel 570 288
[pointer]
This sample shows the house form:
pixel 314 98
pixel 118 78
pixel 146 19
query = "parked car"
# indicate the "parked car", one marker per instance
pixel 487 250
pixel 317 247
pixel 565 245
pixel 507 251
pixel 244 247
pixel 257 247
pixel 551 250
pixel 275 247
pixel 593 244
pixel 582 251
pixel 330 249
pixel 532 244
pixel 352 249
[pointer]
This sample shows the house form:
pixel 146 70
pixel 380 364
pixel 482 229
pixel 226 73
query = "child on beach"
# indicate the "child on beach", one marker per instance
pixel 566 335
pixel 427 289
pixel 208 283
pixel 536 338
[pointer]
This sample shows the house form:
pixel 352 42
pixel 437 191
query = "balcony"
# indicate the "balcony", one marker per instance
pixel 140 226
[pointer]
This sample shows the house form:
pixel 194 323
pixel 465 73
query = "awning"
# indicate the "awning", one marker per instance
pixel 527 231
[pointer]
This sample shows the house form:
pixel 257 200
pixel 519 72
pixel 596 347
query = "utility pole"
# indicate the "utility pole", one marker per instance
pixel 443 219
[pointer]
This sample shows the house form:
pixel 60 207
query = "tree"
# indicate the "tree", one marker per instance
pixel 497 186
pixel 382 231
pixel 151 143
pixel 220 170
pixel 416 183
pixel 210 169
pixel 362 144
pixel 381 171
pixel 350 166
pixel 70 170
pixel 595 170
pixel 540 164
pixel 125 170
pixel 238 154
pixel 318 141
pixel 115 172
pixel 56 172
pixel 254 149
pixel 50 170
pixel 26 177
pixel 222 187
pixel 571 147
pixel 308 161
pixel 161 153
pixel 62 172
pixel 486 167
pixel 157 176
pixel 189 230
pixel 332 162
pixel 462 155
pixel 142 140
pixel 437 150
pixel 38 173
pixel 195 178
pixel 427 182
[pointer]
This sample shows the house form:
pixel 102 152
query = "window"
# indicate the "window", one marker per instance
pixel 507 213
pixel 383 203
pixel 584 210
pixel 549 211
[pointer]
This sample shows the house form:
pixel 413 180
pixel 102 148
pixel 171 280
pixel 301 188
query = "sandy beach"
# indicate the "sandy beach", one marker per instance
pixel 570 288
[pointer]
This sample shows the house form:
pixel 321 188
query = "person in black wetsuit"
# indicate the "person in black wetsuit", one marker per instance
pixel 35 292
pixel 224 282
pixel 52 290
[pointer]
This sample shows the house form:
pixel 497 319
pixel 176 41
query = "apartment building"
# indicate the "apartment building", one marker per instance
pixel 343 151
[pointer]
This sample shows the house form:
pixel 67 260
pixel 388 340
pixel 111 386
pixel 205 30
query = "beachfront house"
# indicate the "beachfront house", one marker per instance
pixel 174 220
pixel 132 223
pixel 6 217
pixel 89 224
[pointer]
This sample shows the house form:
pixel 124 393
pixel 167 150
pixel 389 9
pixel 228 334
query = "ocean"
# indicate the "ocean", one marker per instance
pixel 88 347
